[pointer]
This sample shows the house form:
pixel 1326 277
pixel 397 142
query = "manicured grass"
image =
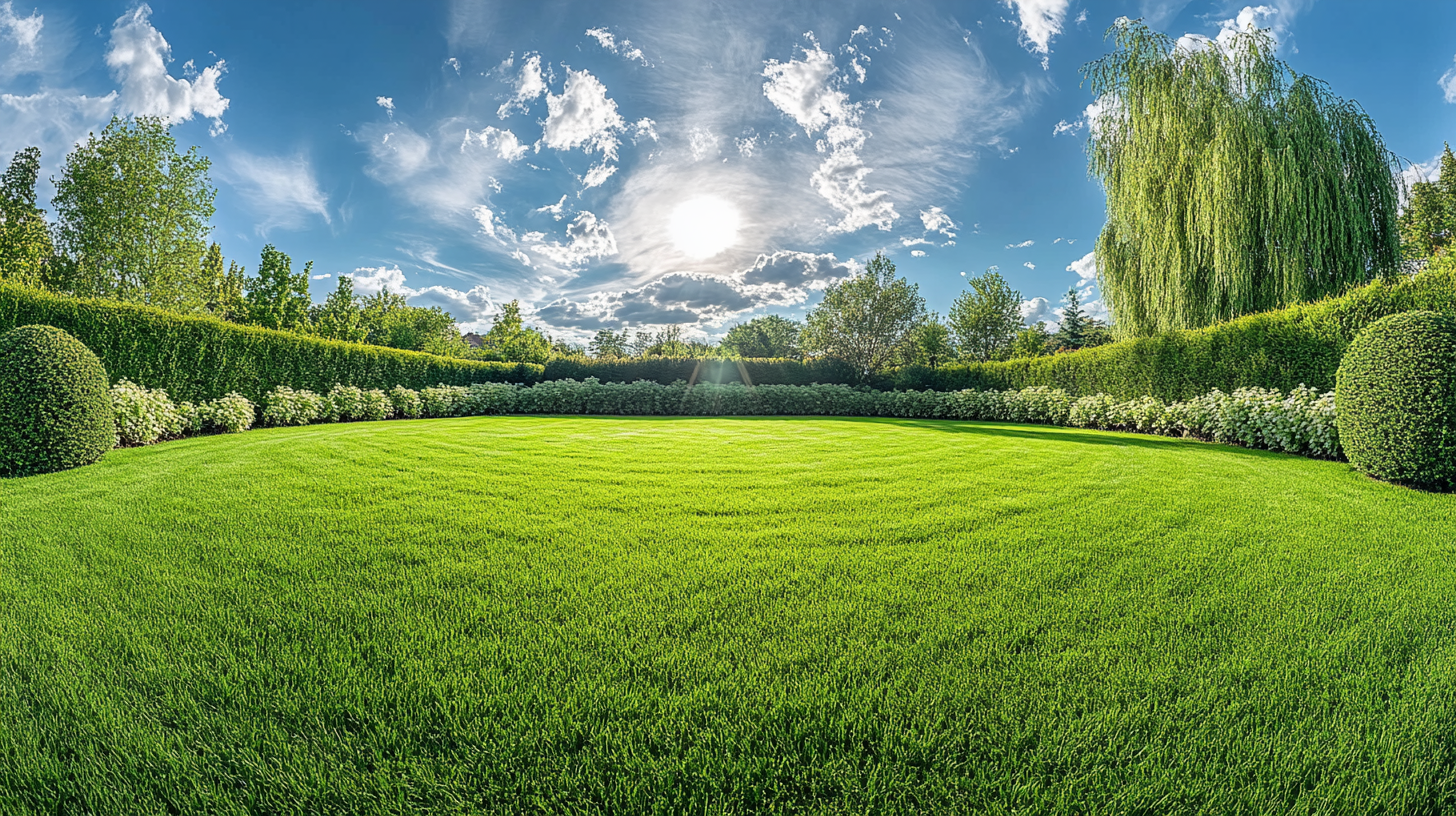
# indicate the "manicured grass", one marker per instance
pixel 582 615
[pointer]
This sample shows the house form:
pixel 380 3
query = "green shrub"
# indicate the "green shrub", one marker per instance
pixel 198 358
pixel 1397 400
pixel 55 409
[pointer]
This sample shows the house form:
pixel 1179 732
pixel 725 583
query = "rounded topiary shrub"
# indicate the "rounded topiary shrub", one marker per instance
pixel 1395 397
pixel 55 405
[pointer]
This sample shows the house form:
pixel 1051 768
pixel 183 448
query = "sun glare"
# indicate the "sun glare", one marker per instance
pixel 703 227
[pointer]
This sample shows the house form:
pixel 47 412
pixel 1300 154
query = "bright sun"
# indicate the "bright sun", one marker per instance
pixel 704 226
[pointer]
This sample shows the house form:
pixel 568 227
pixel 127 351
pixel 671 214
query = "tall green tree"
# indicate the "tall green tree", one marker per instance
pixel 929 343
pixel 224 288
pixel 278 297
pixel 1234 184
pixel 389 320
pixel 865 320
pixel 133 215
pixel 765 336
pixel 25 239
pixel 1072 333
pixel 339 316
pixel 984 320
pixel 1428 225
pixel 1032 341
pixel 609 344
pixel 510 340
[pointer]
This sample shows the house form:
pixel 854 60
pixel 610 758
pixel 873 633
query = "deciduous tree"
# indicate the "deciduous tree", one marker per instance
pixel 25 239
pixel 984 319
pixel 133 215
pixel 866 319
pixel 765 336
pixel 1234 184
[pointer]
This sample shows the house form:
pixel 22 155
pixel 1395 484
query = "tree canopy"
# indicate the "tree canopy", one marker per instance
pixel 1234 184
pixel 985 319
pixel 867 319
pixel 765 336
pixel 25 239
pixel 133 214
pixel 1428 225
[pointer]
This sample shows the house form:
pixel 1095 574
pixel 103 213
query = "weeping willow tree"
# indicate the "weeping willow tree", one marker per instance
pixel 1234 185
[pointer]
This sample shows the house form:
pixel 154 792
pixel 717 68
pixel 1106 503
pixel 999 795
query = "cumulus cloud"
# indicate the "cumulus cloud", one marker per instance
pixel 582 116
pixel 283 191
pixel 622 47
pixel 1085 268
pixel 507 146
pixel 808 90
pixel 138 58
pixel 1448 84
pixel 917 253
pixel 1029 265
pixel 1041 21
pixel 588 238
pixel 1039 310
pixel 529 84
pixel 1022 245
pixel 387 103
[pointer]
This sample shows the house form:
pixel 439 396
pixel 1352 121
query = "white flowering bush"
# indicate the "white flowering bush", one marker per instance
pixel 443 400
pixel 1301 422
pixel 145 415
pixel 343 403
pixel 233 413
pixel 406 402
pixel 284 406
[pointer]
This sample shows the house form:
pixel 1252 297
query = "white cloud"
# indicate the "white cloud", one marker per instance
pixel 1022 245
pixel 485 218
pixel 454 63
pixel 746 146
pixel 283 191
pixel 622 47
pixel 582 116
pixel 917 253
pixel 598 175
pixel 1448 84
pixel 590 238
pixel 324 276
pixel 1086 269
pixel 703 143
pixel 554 209
pixel 910 242
pixel 808 91
pixel 138 58
pixel 1039 310
pixel 507 146
pixel 387 103
pixel 24 31
pixel 935 220
pixel 529 85
pixel 644 128
pixel 1041 21
pixel 1029 265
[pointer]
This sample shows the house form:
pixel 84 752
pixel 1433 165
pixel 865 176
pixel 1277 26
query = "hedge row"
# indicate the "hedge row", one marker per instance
pixel 1281 350
pixel 201 358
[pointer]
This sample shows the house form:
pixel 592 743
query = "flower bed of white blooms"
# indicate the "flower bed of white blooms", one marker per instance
pixel 145 415
pixel 1301 422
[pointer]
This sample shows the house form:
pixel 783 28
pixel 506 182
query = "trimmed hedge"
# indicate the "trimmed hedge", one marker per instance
pixel 1397 400
pixel 55 409
pixel 1283 349
pixel 198 358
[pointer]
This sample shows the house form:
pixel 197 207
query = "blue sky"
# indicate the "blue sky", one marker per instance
pixel 638 164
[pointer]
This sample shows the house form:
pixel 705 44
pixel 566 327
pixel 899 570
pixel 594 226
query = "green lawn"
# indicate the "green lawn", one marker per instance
pixel 583 615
